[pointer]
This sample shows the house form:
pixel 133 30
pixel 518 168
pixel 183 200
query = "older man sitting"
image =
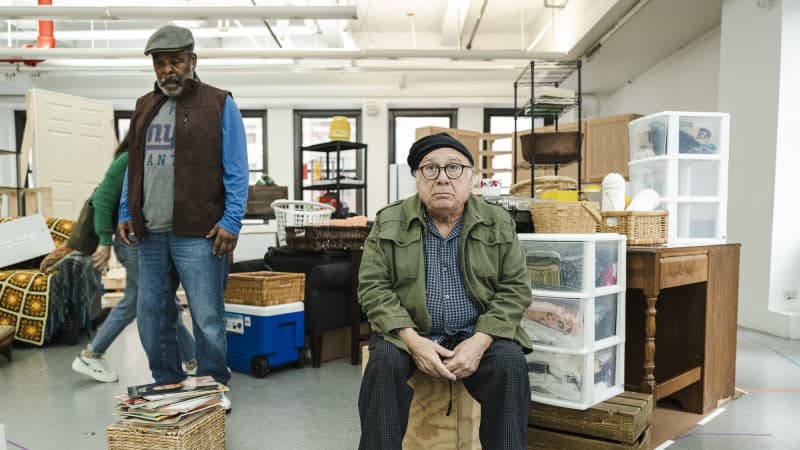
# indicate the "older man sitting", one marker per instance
pixel 443 284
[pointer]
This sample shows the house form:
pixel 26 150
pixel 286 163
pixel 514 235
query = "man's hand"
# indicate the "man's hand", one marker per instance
pixel 467 355
pixel 101 256
pixel 124 230
pixel 427 354
pixel 54 257
pixel 224 241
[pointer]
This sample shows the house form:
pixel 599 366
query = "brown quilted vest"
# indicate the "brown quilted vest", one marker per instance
pixel 199 195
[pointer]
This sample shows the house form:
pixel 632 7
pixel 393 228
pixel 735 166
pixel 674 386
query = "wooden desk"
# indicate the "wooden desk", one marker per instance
pixel 696 291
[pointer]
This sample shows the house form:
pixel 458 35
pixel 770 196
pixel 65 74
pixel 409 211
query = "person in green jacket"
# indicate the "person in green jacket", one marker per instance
pixel 105 200
pixel 443 284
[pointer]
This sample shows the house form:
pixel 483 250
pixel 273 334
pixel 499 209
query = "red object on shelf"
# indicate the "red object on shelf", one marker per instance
pixel 329 199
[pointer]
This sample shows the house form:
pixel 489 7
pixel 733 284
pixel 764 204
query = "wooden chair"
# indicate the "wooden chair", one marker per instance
pixel 428 425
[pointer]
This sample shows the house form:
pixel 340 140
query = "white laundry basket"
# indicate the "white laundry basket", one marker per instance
pixel 295 213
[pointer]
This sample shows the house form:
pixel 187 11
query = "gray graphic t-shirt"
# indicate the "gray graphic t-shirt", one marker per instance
pixel 159 170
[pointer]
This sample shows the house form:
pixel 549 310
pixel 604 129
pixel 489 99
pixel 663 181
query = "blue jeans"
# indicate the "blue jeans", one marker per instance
pixel 125 311
pixel 165 260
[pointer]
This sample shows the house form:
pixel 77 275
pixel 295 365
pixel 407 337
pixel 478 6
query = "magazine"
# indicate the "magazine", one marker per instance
pixel 187 385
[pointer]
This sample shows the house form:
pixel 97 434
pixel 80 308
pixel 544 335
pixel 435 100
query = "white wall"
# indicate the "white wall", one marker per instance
pixel 786 214
pixel 687 80
pixel 740 68
pixel 749 83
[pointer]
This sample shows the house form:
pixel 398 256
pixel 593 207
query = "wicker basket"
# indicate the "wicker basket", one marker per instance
pixel 543 183
pixel 641 227
pixel 206 431
pixel 325 238
pixel 295 213
pixel 265 288
pixel 565 217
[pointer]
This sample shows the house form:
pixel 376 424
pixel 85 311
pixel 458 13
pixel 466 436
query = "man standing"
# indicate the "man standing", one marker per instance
pixel 444 285
pixel 182 204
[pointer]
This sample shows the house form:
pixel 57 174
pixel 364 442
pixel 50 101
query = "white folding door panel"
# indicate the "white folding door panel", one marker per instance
pixel 72 147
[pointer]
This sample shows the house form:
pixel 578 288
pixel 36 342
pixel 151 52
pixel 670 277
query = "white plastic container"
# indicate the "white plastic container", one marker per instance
pixel 673 133
pixel 576 380
pixel 574 324
pixel 576 317
pixel 683 156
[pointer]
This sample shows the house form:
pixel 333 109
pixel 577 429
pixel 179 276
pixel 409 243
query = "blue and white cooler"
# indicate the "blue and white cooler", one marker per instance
pixel 263 337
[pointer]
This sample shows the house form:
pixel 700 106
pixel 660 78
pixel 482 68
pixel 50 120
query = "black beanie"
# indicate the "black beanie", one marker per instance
pixel 433 142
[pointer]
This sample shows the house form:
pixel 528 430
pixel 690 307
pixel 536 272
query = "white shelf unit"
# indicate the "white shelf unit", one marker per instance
pixel 684 157
pixel 576 320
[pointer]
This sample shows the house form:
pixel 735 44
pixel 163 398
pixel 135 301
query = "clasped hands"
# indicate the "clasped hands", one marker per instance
pixel 441 362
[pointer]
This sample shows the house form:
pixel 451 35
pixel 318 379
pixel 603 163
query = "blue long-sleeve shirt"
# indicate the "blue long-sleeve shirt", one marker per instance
pixel 235 172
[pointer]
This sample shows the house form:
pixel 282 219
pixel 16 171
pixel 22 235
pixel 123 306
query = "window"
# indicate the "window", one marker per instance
pixel 313 127
pixel 403 124
pixel 501 121
pixel 255 128
pixel 122 121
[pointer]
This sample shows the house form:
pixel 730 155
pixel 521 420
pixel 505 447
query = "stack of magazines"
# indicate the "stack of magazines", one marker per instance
pixel 169 404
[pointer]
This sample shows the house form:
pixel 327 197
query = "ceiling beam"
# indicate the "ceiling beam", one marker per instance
pixel 297 53
pixel 180 12
pixel 453 21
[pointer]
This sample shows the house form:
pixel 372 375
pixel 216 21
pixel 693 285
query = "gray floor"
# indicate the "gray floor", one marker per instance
pixel 44 405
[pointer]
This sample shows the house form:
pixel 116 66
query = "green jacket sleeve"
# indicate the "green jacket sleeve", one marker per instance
pixel 106 199
pixel 512 295
pixel 375 280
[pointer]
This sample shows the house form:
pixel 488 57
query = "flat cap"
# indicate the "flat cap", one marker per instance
pixel 432 142
pixel 169 38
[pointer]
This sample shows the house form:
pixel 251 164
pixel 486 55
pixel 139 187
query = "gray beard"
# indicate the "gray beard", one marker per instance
pixel 179 90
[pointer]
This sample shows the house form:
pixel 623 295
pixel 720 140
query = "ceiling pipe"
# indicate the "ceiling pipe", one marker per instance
pixel 607 35
pixel 477 24
pixel 46 38
pixel 296 53
pixel 180 12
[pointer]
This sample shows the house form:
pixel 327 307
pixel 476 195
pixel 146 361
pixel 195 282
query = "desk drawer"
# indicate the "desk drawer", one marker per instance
pixel 683 270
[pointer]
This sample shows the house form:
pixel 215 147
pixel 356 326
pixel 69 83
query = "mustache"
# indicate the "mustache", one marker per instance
pixel 171 79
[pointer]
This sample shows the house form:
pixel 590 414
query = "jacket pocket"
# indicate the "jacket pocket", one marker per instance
pixel 406 250
pixel 484 250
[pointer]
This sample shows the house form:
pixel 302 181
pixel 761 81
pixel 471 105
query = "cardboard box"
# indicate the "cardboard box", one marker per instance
pixel 336 343
pixel 23 239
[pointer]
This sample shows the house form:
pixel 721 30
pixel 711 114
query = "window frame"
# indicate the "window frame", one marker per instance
pixel 299 115
pixel 394 113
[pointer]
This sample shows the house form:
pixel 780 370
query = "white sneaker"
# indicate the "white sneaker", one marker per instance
pixel 96 368
pixel 190 367
pixel 226 403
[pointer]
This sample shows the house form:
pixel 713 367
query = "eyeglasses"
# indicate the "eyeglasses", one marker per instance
pixel 452 170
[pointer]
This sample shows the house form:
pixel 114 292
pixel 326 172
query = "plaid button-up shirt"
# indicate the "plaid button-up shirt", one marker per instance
pixel 453 315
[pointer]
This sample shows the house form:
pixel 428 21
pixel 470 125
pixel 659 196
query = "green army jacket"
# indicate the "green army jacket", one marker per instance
pixel 391 286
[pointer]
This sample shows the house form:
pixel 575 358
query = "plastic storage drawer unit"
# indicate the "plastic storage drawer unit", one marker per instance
pixel 262 337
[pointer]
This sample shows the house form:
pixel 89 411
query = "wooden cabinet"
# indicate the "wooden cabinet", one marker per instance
pixel 605 149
